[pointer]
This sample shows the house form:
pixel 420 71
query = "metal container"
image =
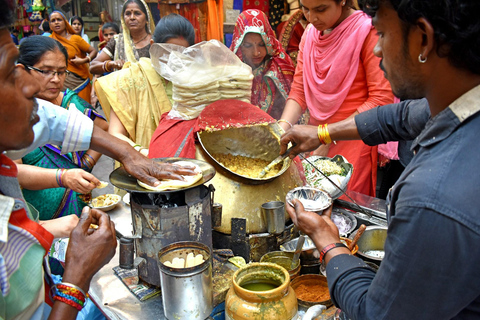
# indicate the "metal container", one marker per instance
pixel 274 213
pixel 160 219
pixel 372 241
pixel 317 288
pixel 283 259
pixel 275 303
pixel 127 253
pixel 309 254
pixel 243 197
pixel 187 293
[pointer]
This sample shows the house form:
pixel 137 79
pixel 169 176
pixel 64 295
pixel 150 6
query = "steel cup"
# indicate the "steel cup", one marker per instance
pixel 274 213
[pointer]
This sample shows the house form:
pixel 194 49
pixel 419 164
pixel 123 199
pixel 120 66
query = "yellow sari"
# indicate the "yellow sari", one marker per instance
pixel 137 95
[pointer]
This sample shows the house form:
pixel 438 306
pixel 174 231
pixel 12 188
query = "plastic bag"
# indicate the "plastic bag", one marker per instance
pixel 201 74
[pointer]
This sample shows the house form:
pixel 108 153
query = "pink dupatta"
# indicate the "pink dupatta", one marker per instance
pixel 330 63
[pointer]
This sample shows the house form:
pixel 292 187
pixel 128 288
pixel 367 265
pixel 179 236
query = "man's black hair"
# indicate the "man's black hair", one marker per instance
pixel 46 26
pixel 455 23
pixel 7 18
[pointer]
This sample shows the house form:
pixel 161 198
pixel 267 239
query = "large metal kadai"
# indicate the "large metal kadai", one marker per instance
pixel 241 196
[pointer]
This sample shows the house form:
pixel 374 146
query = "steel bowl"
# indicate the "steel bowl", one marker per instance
pixel 371 243
pixel 115 197
pixel 309 251
pixel 313 199
pixel 345 221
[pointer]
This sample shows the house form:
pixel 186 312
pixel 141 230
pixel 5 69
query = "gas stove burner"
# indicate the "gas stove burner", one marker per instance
pixel 120 178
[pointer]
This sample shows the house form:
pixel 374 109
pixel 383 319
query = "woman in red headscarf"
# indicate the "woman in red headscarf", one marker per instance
pixel 254 42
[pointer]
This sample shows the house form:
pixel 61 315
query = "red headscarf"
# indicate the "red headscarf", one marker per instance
pixel 276 73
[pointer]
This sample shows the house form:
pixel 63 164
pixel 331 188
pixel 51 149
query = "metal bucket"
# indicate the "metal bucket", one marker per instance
pixel 160 219
pixel 187 293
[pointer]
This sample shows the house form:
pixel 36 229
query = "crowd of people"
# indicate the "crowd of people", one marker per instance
pixel 348 68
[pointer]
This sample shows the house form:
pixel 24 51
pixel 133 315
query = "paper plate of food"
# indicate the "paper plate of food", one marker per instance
pixel 105 202
pixel 337 169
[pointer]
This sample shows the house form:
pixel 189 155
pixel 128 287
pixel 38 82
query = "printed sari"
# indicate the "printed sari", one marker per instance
pixel 273 79
pixel 58 202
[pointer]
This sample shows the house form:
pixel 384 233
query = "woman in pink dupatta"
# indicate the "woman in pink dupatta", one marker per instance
pixel 273 74
pixel 337 77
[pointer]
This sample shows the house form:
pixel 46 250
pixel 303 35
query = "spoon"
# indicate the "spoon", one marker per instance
pixel 298 249
pixel 360 231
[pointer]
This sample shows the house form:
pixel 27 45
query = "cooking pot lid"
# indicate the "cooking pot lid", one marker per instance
pixel 120 178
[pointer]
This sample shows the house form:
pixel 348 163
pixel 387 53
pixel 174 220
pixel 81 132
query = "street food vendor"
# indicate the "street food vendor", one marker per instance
pixel 430 269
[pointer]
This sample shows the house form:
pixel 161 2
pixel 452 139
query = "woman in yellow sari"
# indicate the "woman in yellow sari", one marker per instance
pixel 131 45
pixel 135 97
pixel 77 48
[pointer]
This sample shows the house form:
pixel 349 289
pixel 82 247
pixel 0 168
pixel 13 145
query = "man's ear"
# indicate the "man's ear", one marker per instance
pixel 427 42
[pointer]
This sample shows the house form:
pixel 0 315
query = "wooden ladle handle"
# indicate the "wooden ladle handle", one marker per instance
pixel 360 231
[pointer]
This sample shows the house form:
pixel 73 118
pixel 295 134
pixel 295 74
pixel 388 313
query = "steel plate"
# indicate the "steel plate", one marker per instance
pixel 120 178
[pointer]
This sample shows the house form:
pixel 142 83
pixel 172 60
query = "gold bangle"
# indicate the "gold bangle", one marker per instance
pixel 319 134
pixel 286 121
pixel 325 134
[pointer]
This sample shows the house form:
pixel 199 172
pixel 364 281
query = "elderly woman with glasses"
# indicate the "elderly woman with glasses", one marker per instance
pixel 54 183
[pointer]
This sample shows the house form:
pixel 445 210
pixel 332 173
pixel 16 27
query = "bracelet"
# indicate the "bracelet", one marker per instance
pixel 138 147
pixel 89 59
pixel 89 156
pixel 286 121
pixel 61 177
pixel 68 293
pixel 105 66
pixel 58 176
pixel 319 134
pixel 86 163
pixel 330 247
pixel 323 134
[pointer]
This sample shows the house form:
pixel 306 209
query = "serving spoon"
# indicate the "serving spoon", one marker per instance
pixel 298 249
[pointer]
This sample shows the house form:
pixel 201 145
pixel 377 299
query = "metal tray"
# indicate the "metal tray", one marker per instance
pixel 120 178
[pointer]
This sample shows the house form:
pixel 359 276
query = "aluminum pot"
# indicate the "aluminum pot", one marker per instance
pixel 187 293
pixel 371 243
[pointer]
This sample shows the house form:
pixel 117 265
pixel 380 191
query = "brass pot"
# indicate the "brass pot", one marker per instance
pixel 240 196
pixel 283 259
pixel 278 303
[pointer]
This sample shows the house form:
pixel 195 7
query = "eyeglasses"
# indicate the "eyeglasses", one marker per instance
pixel 49 74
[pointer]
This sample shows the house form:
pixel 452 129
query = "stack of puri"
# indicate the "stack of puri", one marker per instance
pixel 228 82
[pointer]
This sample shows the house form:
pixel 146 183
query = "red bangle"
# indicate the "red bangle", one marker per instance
pixel 331 246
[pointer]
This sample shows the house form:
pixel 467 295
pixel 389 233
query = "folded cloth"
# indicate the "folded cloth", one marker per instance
pixel 140 289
